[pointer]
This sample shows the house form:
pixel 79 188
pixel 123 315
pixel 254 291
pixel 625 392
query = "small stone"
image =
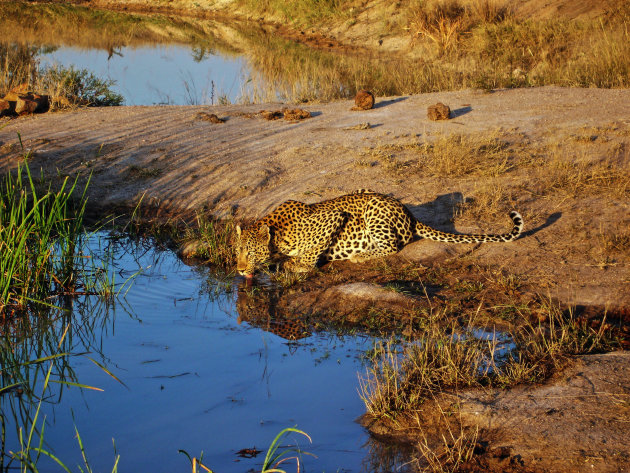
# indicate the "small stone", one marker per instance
pixel 271 114
pixel 364 100
pixel 439 111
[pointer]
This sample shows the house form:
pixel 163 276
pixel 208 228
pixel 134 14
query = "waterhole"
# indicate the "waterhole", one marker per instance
pixel 182 368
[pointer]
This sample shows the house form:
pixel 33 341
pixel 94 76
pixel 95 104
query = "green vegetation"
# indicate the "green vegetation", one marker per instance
pixel 65 86
pixel 277 454
pixel 44 270
pixel 211 240
pixel 39 234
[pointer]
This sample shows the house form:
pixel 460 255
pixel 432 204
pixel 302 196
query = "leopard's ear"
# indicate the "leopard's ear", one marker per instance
pixel 264 233
pixel 238 230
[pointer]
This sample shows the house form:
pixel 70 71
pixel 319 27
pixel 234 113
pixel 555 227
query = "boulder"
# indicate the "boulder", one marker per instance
pixel 31 103
pixel 15 92
pixel 364 100
pixel 439 111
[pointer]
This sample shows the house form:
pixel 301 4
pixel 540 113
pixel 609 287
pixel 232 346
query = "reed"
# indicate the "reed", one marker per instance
pixel 39 232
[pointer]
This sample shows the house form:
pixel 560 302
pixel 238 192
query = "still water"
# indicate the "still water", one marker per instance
pixel 160 74
pixel 196 379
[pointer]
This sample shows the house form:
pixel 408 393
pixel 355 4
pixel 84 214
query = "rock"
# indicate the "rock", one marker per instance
pixel 43 103
pixel 369 292
pixel 5 108
pixel 364 100
pixel 439 111
pixel 32 103
pixel 296 114
pixel 15 92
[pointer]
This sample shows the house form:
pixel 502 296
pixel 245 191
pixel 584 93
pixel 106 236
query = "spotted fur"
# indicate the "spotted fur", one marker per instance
pixel 358 226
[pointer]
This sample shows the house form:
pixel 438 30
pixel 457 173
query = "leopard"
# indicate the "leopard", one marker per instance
pixel 359 227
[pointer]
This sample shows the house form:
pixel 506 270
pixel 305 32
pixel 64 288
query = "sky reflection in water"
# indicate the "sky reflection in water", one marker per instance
pixel 199 381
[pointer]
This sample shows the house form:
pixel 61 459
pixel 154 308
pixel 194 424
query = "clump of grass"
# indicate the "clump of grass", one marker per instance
pixel 211 240
pixel 448 356
pixel 287 279
pixel 575 173
pixel 463 155
pixel 545 345
pixel 456 446
pixel 67 87
pixel 489 202
pixel 39 232
pixel 402 379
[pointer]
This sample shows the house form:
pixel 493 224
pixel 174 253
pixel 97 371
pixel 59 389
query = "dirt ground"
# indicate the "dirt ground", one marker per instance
pixel 577 422
pixel 179 164
pixel 574 249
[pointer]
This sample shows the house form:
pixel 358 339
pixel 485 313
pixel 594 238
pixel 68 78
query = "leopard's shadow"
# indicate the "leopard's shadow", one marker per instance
pixel 440 213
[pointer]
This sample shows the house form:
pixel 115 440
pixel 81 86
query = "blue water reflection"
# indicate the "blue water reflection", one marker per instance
pixel 160 74
pixel 195 379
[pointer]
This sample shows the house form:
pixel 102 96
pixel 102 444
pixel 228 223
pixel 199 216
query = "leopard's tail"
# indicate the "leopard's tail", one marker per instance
pixel 424 231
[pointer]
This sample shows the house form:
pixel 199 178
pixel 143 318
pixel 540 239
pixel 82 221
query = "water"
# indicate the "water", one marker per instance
pixel 196 379
pixel 159 74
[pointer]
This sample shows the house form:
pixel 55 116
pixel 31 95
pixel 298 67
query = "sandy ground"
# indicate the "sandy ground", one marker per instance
pixel 178 164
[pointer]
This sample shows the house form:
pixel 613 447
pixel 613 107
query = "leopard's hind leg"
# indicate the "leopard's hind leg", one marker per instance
pixel 383 241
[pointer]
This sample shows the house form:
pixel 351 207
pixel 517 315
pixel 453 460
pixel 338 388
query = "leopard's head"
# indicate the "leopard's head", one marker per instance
pixel 252 248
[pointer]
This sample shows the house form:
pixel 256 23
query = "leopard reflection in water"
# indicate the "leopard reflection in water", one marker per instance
pixel 258 307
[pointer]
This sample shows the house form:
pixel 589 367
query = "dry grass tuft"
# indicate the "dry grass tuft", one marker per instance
pixel 456 446
pixel 450 355
pixel 574 172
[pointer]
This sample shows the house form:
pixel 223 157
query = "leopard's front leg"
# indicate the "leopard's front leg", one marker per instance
pixel 303 263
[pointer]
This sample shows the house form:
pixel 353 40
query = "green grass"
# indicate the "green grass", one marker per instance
pixel 39 232
pixel 66 86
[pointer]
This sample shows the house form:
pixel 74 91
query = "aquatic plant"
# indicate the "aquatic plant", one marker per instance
pixel 276 454
pixel 39 232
